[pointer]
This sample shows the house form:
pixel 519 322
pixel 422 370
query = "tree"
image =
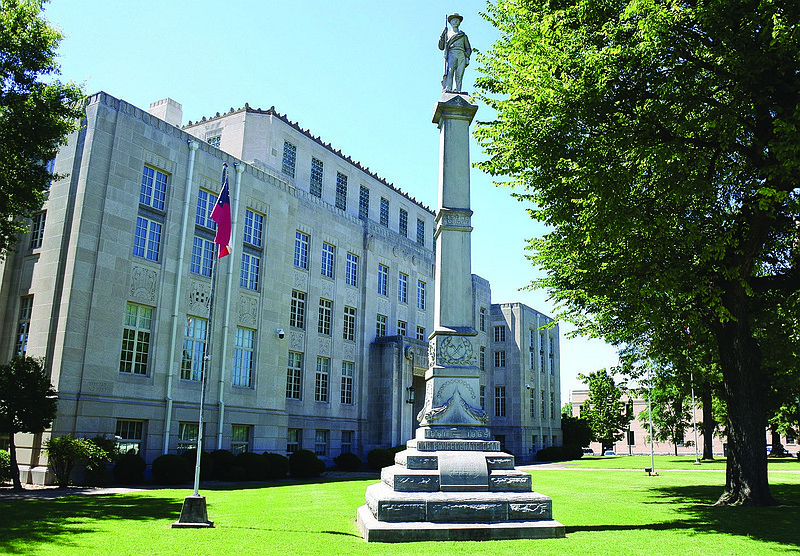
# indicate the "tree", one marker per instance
pixel 658 140
pixel 575 431
pixel 28 403
pixel 35 117
pixel 604 410
pixel 671 414
pixel 63 452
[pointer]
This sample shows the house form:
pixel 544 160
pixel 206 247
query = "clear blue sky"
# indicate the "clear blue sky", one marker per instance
pixel 364 76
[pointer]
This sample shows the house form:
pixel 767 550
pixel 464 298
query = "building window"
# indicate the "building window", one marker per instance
pixel 297 315
pixel 383 279
pixel 240 438
pixel 421 232
pixel 499 333
pixel 500 401
pixel 202 255
pixel 403 223
pixel 421 333
pixel 37 229
pixel 533 403
pixel 347 441
pixel 363 203
pixel 420 295
pixel 552 355
pixel 294 438
pixel 631 438
pixel 483 397
pixel 301 242
pixel 243 357
pixel 347 382
pixel 349 328
pixel 289 159
pixel 253 228
pixel 543 411
pixel 321 379
pixel 541 352
pixel 351 270
pixel 136 339
pixel 129 436
pixel 315 187
pixel 482 319
pixel 341 191
pixel 499 359
pixel 532 358
pixel 552 405
pixel 402 327
pixel 324 323
pixel 24 324
pixel 380 326
pixel 482 358
pixel 294 375
pixel 147 238
pixel 402 288
pixel 205 203
pixel 384 212
pixel 328 259
pixel 187 436
pixel 194 348
pixel 248 275
pixel 321 443
pixel 153 193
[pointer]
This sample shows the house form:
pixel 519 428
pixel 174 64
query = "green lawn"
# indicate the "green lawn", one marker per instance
pixel 605 512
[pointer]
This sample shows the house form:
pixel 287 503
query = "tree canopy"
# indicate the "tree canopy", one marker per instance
pixel 659 140
pixel 604 410
pixel 28 402
pixel 35 116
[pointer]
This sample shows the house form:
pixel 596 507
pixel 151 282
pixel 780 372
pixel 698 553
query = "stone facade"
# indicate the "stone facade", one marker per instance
pixel 321 314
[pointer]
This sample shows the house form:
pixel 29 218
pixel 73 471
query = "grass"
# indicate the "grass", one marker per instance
pixel 670 462
pixel 604 511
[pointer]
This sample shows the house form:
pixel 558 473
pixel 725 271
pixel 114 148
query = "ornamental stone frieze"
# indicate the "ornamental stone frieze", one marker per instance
pixel 451 351
pixel 143 283
pixel 248 310
pixel 199 296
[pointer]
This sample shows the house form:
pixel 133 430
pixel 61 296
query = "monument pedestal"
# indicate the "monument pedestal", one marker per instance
pixel 455 489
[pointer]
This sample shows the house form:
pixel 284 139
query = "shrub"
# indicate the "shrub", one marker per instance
pixel 63 452
pixel 553 453
pixel 5 466
pixel 278 465
pixel 101 451
pixel 571 451
pixel 256 466
pixel 206 463
pixel 378 458
pixel 304 464
pixel 129 469
pixel 348 461
pixel 223 461
pixel 171 469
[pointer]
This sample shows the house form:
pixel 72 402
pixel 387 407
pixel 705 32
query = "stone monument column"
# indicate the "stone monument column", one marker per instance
pixel 452 388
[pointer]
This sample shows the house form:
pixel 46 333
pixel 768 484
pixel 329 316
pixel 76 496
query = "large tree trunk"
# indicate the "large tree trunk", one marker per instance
pixel 746 481
pixel 706 398
pixel 12 453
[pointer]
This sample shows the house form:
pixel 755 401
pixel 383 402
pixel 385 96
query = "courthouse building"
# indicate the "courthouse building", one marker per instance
pixel 321 314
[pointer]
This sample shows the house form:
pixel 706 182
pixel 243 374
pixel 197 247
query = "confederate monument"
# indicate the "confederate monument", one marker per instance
pixel 457 51
pixel 453 482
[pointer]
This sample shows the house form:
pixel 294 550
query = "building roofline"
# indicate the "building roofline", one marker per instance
pixel 316 138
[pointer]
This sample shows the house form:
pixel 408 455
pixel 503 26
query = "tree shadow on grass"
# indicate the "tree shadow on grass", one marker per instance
pixel 776 524
pixel 34 521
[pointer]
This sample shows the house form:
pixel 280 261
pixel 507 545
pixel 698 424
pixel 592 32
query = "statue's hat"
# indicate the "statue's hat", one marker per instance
pixel 457 16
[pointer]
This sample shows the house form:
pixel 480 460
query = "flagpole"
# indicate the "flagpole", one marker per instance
pixel 193 513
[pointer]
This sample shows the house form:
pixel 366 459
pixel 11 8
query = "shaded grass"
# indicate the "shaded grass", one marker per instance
pixel 605 512
pixel 670 462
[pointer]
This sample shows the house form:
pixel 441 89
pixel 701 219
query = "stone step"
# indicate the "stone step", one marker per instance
pixel 402 479
pixel 388 505
pixel 414 459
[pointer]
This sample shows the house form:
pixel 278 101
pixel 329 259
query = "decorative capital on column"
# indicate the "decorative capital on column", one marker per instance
pixel 454 105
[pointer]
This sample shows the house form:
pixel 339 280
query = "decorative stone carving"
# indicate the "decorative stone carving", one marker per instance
pixel 325 347
pixel 296 340
pixel 248 310
pixel 349 352
pixel 451 351
pixel 327 289
pixel 301 281
pixel 199 296
pixel 143 283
